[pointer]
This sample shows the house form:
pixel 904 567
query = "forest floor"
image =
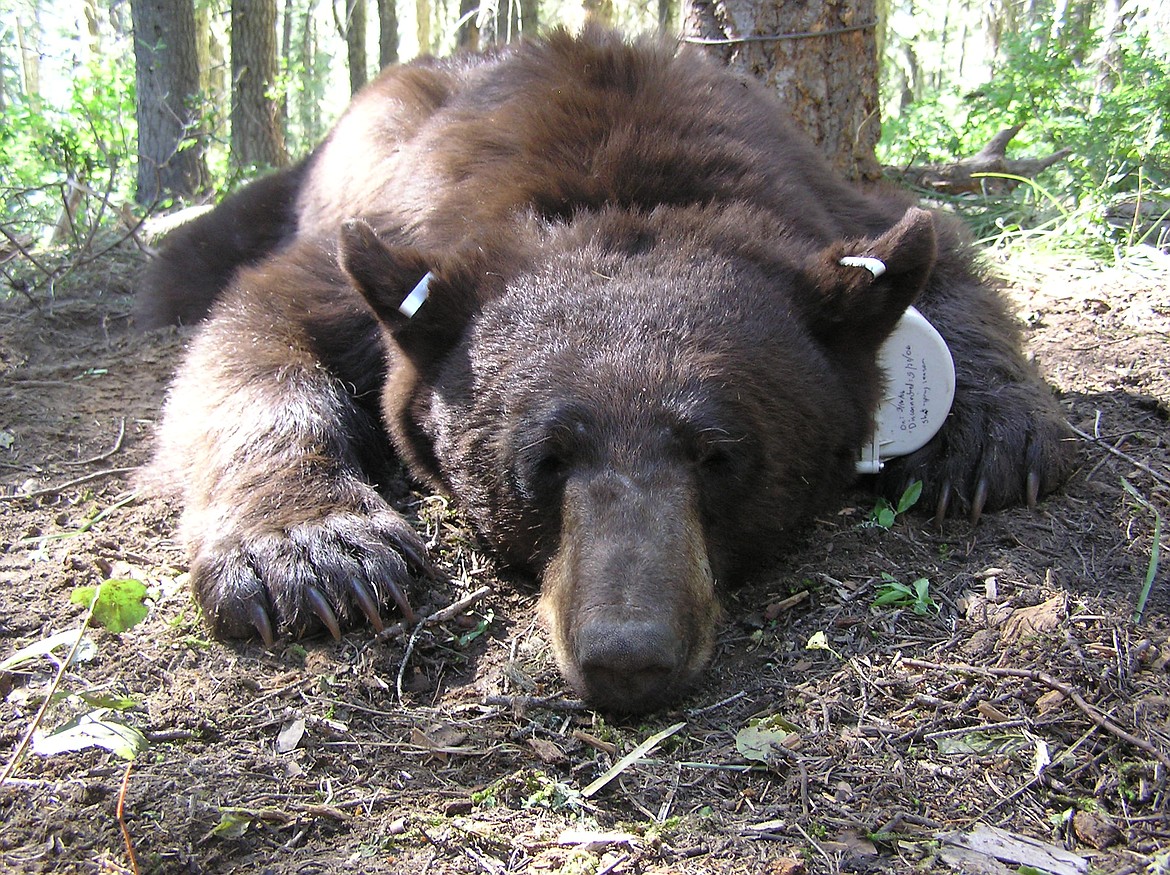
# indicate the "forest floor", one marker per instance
pixel 1029 714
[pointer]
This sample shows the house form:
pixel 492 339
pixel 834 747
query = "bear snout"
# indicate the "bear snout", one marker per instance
pixel 629 598
pixel 629 664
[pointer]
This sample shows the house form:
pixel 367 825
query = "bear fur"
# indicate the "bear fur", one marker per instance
pixel 639 367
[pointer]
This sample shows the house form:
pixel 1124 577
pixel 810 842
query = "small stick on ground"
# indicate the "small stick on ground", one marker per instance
pixel 117 446
pixel 1161 478
pixel 122 820
pixel 61 487
pixel 1060 686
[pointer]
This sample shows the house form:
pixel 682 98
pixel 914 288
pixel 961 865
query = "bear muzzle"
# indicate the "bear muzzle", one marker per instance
pixel 629 598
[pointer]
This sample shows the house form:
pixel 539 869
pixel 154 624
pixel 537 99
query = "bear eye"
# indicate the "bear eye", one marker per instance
pixel 552 464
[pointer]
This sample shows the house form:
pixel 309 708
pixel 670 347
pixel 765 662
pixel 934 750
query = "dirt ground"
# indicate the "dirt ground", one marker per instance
pixel 1029 710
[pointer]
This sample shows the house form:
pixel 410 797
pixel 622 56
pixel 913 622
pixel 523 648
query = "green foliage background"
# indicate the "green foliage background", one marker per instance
pixel 1043 72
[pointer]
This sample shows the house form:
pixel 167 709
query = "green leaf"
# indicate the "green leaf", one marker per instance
pixel 94 729
pixel 480 627
pixel 910 496
pixel 119 603
pixel 760 739
pixel 112 701
pixel 233 823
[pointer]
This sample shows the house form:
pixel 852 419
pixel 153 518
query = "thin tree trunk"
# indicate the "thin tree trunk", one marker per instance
pixel 311 88
pixel 819 56
pixel 423 19
pixel 257 139
pixel 170 147
pixel 355 43
pixel 387 33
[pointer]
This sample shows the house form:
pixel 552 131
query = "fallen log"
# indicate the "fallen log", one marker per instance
pixel 962 177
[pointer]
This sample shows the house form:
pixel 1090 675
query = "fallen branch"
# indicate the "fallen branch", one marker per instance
pixel 969 175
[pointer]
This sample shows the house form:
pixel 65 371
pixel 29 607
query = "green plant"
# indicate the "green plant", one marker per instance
pixel 916 596
pixel 1155 549
pixel 885 514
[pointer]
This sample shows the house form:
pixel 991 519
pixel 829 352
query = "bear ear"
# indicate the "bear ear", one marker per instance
pixel 424 314
pixel 862 287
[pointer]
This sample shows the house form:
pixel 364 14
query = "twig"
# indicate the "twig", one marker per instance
pixel 1161 478
pixel 28 255
pixel 536 703
pixel 117 446
pixel 1061 687
pixel 122 819
pixel 61 487
pixel 441 616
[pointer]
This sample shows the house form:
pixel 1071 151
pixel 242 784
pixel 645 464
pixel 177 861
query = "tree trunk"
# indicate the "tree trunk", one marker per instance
pixel 256 136
pixel 1107 59
pixel 312 88
pixel 354 31
pixel 819 56
pixel 467 36
pixel 387 33
pixel 170 148
pixel 30 59
pixel 668 17
pixel 286 61
pixel 423 19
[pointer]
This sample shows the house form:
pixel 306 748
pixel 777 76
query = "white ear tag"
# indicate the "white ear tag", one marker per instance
pixel 874 265
pixel 919 390
pixel 417 296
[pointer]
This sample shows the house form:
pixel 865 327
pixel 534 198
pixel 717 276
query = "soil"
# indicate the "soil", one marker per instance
pixel 1028 699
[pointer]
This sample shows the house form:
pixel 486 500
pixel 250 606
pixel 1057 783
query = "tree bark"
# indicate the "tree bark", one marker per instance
pixel 423 19
pixel 257 139
pixel 170 146
pixel 819 56
pixel 387 33
pixel 354 32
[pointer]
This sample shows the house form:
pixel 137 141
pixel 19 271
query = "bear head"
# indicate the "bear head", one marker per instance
pixel 637 407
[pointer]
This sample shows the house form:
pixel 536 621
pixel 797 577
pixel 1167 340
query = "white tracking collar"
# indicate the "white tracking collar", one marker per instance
pixel 874 265
pixel 417 296
pixel 918 393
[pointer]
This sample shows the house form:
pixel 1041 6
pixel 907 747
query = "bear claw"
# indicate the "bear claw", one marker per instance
pixel 979 500
pixel 320 606
pixel 369 607
pixel 943 504
pixel 1033 488
pixel 262 622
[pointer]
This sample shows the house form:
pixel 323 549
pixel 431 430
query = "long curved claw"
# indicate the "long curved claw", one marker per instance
pixel 979 500
pixel 1032 489
pixel 324 612
pixel 400 599
pixel 943 504
pixel 366 601
pixel 260 619
pixel 420 560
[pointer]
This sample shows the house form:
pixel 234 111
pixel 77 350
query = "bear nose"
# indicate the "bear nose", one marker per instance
pixel 629 664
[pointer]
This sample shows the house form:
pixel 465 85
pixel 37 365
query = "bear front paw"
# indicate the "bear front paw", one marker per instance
pixel 1000 448
pixel 326 573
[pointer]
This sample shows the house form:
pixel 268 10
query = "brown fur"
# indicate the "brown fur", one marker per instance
pixel 639 369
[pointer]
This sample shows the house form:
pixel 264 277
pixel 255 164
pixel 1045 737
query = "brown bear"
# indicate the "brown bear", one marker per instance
pixel 594 291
